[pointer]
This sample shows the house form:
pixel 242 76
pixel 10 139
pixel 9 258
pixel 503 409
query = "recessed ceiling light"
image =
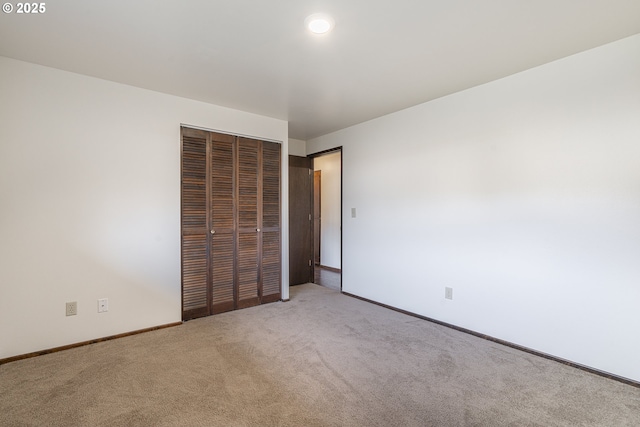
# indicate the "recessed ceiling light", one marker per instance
pixel 319 23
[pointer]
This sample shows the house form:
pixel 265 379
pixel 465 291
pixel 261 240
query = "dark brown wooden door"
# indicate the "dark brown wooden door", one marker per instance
pixel 300 222
pixel 230 222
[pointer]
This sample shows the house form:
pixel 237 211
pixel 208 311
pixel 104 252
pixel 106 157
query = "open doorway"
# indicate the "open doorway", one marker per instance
pixel 327 219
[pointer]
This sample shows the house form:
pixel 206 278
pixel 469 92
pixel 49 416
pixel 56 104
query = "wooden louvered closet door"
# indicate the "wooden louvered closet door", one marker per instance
pixel 230 222
pixel 195 230
pixel 222 230
pixel 248 227
pixel 270 235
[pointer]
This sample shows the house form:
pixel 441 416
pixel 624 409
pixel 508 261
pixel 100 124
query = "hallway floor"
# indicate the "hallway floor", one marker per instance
pixel 327 278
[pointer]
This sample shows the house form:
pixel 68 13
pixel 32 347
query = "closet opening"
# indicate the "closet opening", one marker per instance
pixel 230 222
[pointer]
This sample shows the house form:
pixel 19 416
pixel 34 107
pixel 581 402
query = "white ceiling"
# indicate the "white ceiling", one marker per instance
pixel 256 56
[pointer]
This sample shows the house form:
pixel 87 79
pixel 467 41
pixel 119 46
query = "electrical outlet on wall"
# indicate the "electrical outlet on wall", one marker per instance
pixel 72 308
pixel 448 293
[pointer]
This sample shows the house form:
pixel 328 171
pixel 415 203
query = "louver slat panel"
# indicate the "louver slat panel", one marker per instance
pixel 194 272
pixel 248 270
pixel 247 184
pixel 194 171
pixel 222 212
pixel 271 185
pixel 270 266
pixel 222 273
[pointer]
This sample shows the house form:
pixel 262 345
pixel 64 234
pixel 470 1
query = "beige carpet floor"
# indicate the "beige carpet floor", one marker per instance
pixel 322 359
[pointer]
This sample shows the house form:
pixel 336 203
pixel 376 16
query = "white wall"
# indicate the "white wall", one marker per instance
pixel 330 189
pixel 297 147
pixel 522 194
pixel 90 203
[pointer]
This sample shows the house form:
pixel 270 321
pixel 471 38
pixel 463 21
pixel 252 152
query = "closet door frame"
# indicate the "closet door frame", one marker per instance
pixel 211 307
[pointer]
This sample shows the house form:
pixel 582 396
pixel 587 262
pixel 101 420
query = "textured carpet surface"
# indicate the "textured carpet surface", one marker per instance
pixel 322 359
